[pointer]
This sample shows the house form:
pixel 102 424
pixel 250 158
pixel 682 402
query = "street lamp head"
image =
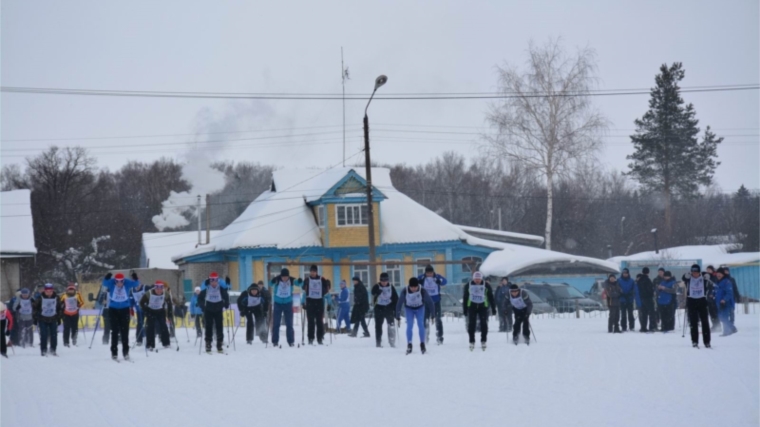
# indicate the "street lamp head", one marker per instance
pixel 381 80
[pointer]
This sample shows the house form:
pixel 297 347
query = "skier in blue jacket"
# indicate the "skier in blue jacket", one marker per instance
pixel 417 303
pixel 344 308
pixel 626 300
pixel 724 296
pixel 666 293
pixel 432 282
pixel 196 312
pixel 119 288
pixel 282 295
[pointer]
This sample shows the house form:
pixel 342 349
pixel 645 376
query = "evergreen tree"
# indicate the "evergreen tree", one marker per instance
pixel 669 158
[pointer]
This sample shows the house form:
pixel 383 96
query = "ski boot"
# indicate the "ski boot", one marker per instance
pixel 527 340
pixel 483 345
pixel 74 340
pixel 66 345
pixel 440 340
pixel 249 342
pixel 319 342
pixel 707 345
pixel 115 358
pixel 290 344
pixel 379 344
pixel 423 350
pixel 472 346
pixel 352 334
pixel 515 340
pixel 139 344
pixel 311 342
pixel 409 348
pixel 43 353
pixel 53 353
pixel 208 348
pixel 166 347
pixel 126 358
pixel 695 345
pixel 366 335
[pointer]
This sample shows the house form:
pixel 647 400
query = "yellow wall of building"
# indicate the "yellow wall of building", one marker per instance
pixel 409 270
pixel 340 237
pixel 232 270
pixel 258 271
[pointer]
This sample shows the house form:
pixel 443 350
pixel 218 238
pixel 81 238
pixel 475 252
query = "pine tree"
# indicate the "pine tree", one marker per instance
pixel 669 159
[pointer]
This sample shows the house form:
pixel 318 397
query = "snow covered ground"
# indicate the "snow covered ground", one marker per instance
pixel 575 375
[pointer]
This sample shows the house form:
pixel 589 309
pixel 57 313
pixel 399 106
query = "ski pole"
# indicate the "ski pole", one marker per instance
pixel 184 322
pixel 229 330
pixel 303 317
pixel 683 330
pixel 97 324
pixel 531 330
pixel 196 338
pixel 174 326
pixel 84 327
pixel 238 327
pixel 269 326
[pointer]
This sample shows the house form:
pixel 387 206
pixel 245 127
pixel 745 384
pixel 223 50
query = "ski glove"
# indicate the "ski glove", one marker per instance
pixel 134 276
pixel 226 305
pixel 398 319
pixel 438 281
pixel 227 279
pixel 108 276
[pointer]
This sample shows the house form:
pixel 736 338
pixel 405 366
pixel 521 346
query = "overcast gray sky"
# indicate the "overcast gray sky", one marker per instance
pixel 423 46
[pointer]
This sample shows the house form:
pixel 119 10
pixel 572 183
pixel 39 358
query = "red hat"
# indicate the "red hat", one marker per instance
pixel 213 275
pixel 160 284
pixel 119 276
pixel 71 288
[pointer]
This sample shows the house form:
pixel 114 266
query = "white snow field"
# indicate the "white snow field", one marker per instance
pixel 576 374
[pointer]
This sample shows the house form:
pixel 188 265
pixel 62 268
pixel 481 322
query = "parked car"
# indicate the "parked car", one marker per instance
pixel 539 305
pixel 563 297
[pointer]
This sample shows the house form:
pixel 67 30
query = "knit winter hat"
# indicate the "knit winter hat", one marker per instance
pixel 413 282
pixel 477 275
pixel 625 271
pixel 24 291
pixel 160 284
pixel 383 276
pixel 253 287
pixel 513 287
pixel 429 269
pixel 695 268
pixel 48 286
pixel 710 267
pixel 285 272
pixel 661 269
pixel 668 274
pixel 197 289
pixel 71 288
pixel 356 279
pixel 313 268
pixel 645 270
pixel 612 275
pixel 722 271
pixel 213 275
pixel 118 276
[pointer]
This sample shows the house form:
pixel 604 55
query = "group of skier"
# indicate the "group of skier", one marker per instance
pixel 709 294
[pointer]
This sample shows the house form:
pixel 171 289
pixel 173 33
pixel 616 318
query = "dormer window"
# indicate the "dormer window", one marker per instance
pixel 351 215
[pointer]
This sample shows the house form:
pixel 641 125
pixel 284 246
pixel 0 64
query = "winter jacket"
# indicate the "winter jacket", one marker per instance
pixel 110 285
pixel 344 299
pixel 18 305
pixel 79 303
pixel 280 297
pixel 427 302
pixel 377 291
pixel 145 303
pixel 525 297
pixel 39 303
pixel 488 302
pixel 214 307
pixel 707 283
pixel 666 296
pixel 222 283
pixel 8 323
pixel 644 291
pixel 725 292
pixel 433 285
pixel 306 283
pixel 242 303
pixel 613 291
pixel 501 295
pixel 136 295
pixel 627 286
pixel 361 300
pixel 734 288
pixel 195 309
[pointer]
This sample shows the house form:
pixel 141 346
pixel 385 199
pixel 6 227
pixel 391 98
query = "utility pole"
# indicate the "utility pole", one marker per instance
pixel 368 171
pixel 343 78
pixel 208 219
pixel 198 214
pixel 499 219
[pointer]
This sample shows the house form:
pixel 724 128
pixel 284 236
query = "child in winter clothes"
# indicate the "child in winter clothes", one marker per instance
pixel 344 307
pixel 48 309
pixel 613 291
pixel 72 302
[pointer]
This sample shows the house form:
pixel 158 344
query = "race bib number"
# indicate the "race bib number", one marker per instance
pixel 517 303
pixel 315 288
pixel 213 294
pixel 430 286
pixel 119 294
pixel 25 307
pixel 156 302
pixel 414 299
pixel 697 289
pixel 71 304
pixel 137 295
pixel 385 295
pixel 477 294
pixel 284 290
pixel 253 301
pixel 48 307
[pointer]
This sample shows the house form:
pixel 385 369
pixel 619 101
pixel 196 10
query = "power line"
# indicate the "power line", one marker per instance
pixel 339 97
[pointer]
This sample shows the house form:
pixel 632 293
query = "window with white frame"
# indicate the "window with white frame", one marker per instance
pixel 351 215
pixel 321 216
pixel 394 273
pixel 470 263
pixel 362 272
pixel 421 264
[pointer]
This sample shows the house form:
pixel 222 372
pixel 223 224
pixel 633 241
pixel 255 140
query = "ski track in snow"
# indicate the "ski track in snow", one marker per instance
pixel 576 374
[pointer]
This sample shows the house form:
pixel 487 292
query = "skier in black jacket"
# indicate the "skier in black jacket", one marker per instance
pixel 315 288
pixel 522 306
pixel 645 301
pixel 253 306
pixel 477 301
pixel 213 301
pixel 361 307
pixel 385 299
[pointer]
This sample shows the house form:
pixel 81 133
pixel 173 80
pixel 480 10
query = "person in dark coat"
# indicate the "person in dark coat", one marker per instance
pixel 612 291
pixel 656 282
pixel 477 302
pixel 645 301
pixel 712 307
pixel 316 288
pixel 48 309
pixel 500 295
pixel 213 300
pixel 385 300
pixel 666 295
pixel 521 305
pixel 361 307
pixel 725 297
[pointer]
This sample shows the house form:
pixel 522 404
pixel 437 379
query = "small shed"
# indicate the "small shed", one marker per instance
pixel 16 239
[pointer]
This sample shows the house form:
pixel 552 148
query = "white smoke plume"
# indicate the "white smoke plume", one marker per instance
pixel 219 130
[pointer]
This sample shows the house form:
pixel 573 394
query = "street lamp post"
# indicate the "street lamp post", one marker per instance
pixel 368 170
pixel 654 233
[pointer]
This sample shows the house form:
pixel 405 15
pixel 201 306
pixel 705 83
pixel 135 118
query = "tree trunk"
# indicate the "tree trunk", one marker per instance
pixel 549 205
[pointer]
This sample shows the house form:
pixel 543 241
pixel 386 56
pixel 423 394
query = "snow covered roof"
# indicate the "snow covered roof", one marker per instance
pixel 516 260
pixel 16 226
pixel 159 248
pixel 503 236
pixel 709 254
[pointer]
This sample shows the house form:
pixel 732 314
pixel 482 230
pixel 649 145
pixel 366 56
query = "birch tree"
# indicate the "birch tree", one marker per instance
pixel 545 121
